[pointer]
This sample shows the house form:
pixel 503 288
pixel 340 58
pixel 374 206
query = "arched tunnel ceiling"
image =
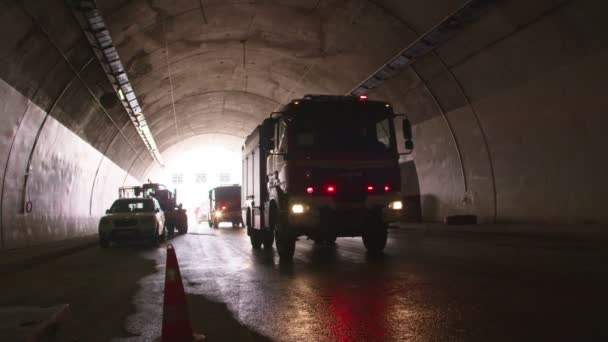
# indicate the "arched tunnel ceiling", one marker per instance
pixel 220 67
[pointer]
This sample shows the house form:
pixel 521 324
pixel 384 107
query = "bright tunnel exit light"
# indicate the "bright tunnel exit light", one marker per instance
pixel 196 165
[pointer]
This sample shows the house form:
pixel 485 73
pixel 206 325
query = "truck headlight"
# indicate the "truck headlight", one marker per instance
pixel 218 214
pixel 297 208
pixel 396 205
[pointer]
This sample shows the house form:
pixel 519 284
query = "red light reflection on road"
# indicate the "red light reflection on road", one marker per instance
pixel 359 313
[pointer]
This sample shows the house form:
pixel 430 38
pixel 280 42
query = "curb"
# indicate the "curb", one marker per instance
pixel 36 259
pixel 595 233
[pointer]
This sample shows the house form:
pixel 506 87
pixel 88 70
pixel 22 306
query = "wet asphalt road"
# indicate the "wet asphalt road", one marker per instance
pixel 426 287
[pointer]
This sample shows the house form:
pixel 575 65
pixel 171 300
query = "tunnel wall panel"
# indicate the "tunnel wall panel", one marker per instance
pixel 524 100
pixel 547 138
pixel 59 185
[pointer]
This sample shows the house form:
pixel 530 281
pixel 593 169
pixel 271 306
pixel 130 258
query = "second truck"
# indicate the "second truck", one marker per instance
pixel 323 167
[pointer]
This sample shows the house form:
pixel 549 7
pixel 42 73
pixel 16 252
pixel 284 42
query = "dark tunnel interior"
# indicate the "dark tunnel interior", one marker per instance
pixel 508 114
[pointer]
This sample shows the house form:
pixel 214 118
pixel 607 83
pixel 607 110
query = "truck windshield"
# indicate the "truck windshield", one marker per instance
pixel 343 133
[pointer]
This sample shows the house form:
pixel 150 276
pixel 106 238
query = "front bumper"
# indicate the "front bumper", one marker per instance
pixel 325 213
pixel 136 232
pixel 228 216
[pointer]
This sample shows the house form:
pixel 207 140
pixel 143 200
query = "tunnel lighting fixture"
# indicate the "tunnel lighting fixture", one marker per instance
pixel 396 205
pixel 95 29
pixel 297 208
pixel 310 190
pixel 467 14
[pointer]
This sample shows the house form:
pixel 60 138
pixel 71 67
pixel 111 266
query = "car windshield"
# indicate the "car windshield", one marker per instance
pixel 132 206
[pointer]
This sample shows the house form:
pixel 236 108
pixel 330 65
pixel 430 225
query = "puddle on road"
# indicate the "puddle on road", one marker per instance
pixel 213 319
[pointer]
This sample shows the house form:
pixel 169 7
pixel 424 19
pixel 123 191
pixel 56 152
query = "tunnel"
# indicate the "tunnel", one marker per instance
pixel 507 105
pixel 507 112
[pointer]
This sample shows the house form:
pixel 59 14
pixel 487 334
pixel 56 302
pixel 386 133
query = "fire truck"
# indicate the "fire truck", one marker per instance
pixel 175 215
pixel 323 167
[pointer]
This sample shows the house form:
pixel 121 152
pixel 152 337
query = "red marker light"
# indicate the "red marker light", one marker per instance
pixel 310 190
pixel 223 207
pixel 370 188
pixel 362 97
pixel 330 189
pixel 387 188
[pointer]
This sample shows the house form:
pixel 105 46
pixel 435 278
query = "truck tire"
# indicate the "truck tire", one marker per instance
pixel 286 245
pixel 375 240
pixel 183 230
pixel 171 230
pixel 286 242
pixel 256 239
pixel 268 239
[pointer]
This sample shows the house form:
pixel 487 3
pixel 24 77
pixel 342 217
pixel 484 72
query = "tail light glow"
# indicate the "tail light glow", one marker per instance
pixel 370 188
pixel 387 188
pixel 310 190
pixel 330 189
pixel 223 207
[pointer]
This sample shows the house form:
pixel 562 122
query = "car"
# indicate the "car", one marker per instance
pixel 132 219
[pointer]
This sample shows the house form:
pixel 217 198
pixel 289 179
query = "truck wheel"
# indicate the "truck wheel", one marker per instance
pixel 171 230
pixel 182 230
pixel 375 241
pixel 268 239
pixel 286 245
pixel 256 239
pixel 286 242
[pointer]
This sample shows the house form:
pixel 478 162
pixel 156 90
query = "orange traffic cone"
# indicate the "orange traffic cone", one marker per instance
pixel 176 319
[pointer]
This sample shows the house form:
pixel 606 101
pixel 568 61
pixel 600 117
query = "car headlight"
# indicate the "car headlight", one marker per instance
pixel 298 208
pixel 104 220
pixel 396 205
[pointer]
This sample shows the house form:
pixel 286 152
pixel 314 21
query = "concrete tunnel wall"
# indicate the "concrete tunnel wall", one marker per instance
pixel 509 115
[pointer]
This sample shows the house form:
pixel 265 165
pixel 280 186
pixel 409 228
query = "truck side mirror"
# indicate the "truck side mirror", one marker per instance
pixel 407 129
pixel 267 134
